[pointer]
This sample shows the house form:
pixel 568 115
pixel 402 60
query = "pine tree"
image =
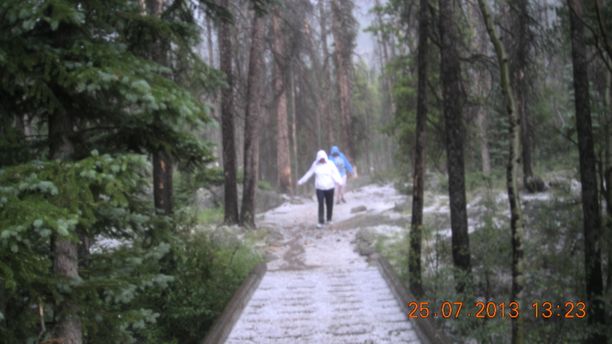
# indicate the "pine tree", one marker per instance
pixel 85 72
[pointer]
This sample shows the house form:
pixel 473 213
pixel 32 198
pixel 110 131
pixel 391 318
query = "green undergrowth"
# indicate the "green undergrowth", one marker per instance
pixel 210 216
pixel 553 269
pixel 207 273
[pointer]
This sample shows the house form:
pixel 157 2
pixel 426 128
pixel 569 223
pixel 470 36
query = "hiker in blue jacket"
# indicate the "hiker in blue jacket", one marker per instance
pixel 344 167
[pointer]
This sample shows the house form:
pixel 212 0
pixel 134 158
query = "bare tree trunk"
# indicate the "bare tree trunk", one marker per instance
pixel 516 218
pixel 588 177
pixel 485 155
pixel 387 80
pixel 326 84
pixel 609 225
pixel 162 161
pixel 209 43
pixel 283 161
pixel 227 121
pixel 162 181
pixel 521 83
pixel 213 133
pixel 252 118
pixel 20 124
pixel 453 117
pixel 609 186
pixel 416 224
pixel 65 252
pixel 481 85
pixel 322 98
pixel 343 60
pixel 293 123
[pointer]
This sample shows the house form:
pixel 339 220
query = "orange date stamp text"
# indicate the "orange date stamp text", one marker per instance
pixel 497 310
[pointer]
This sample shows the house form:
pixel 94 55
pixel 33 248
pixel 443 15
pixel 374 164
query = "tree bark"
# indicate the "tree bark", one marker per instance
pixel 322 97
pixel 387 84
pixel 454 128
pixel 588 178
pixel 294 142
pixel 481 86
pixel 418 177
pixel 230 201
pixel 162 181
pixel 252 118
pixel 342 57
pixel 283 161
pixel 485 155
pixel 65 252
pixel 324 103
pixel 609 225
pixel 516 218
pixel 521 84
pixel 162 161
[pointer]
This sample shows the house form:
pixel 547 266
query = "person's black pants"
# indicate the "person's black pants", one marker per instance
pixel 328 196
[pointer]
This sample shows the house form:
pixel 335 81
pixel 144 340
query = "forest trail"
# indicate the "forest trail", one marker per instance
pixel 317 288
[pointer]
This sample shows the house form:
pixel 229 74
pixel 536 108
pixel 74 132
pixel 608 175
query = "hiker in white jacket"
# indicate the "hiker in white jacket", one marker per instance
pixel 326 177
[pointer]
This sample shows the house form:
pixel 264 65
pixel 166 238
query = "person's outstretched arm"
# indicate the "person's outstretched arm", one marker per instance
pixel 307 176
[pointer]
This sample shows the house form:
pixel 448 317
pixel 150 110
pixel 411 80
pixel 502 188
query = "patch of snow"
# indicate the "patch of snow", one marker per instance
pixel 540 196
pixel 439 205
pixel 107 244
pixel 575 187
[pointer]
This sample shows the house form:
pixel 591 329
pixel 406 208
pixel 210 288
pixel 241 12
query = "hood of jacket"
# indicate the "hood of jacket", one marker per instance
pixel 335 150
pixel 321 155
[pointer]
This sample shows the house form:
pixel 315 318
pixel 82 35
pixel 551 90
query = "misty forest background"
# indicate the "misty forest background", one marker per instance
pixel 118 115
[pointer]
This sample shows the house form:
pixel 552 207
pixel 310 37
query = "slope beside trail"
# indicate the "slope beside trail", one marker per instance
pixel 317 289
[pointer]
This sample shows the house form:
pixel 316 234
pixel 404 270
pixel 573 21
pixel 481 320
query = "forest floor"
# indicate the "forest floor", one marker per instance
pixel 318 288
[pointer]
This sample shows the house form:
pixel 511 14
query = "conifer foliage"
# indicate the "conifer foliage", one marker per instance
pixel 80 74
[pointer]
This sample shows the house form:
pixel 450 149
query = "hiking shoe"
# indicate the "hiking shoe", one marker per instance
pixel 330 222
pixel 319 225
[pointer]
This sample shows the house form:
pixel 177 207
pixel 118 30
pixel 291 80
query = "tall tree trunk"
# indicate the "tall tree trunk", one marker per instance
pixel 162 181
pixel 65 252
pixel 416 224
pixel 485 155
pixel 609 186
pixel 162 161
pixel 283 161
pixel 251 119
pixel 326 80
pixel 322 98
pixel 293 124
pixel 521 83
pixel 609 225
pixel 343 50
pixel 20 124
pixel 227 122
pixel 213 134
pixel 588 177
pixel 450 71
pixel 481 85
pixel 209 42
pixel 387 84
pixel 516 218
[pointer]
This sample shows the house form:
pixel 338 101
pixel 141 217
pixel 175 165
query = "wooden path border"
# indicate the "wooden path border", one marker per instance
pixel 425 329
pixel 224 324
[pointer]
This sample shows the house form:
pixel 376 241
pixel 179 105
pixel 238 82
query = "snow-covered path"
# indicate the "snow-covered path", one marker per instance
pixel 318 289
